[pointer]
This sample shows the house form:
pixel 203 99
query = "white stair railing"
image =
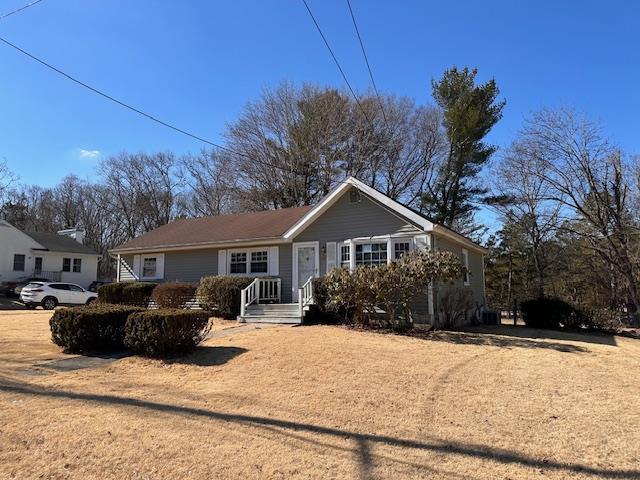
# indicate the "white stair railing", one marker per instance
pixel 305 295
pixel 248 296
pixel 260 290
pixel 269 290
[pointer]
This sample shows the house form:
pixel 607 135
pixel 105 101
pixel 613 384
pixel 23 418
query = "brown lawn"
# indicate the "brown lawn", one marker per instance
pixel 324 402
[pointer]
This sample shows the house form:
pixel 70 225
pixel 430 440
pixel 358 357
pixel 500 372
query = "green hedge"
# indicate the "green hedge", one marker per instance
pixel 174 294
pixel 126 293
pixel 221 294
pixel 549 313
pixel 158 333
pixel 97 327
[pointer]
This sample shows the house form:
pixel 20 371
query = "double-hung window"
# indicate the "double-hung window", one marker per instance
pixel 400 248
pixel 465 260
pixel 18 262
pixel 149 267
pixel 371 254
pixel 345 256
pixel 259 262
pixel 66 264
pixel 249 261
pixel 77 265
pixel 238 262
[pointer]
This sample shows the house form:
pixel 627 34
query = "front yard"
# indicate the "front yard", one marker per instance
pixel 323 402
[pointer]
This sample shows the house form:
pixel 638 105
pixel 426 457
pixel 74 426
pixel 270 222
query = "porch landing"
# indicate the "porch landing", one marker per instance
pixel 272 313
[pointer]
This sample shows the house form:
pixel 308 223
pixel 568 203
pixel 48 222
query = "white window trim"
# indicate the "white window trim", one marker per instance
pixel 390 240
pixel 248 251
pixel 159 266
pixel 465 258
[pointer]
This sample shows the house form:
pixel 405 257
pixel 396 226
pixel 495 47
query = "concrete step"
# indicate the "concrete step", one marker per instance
pixel 269 319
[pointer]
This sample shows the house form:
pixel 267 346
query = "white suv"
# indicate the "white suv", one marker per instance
pixel 51 294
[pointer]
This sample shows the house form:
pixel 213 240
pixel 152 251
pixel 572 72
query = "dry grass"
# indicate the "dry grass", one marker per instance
pixel 326 402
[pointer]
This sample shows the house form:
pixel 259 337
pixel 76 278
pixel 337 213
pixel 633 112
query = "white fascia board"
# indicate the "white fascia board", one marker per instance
pixel 460 239
pixel 381 198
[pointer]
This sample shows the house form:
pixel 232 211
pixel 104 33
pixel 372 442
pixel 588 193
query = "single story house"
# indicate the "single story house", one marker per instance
pixel 353 225
pixel 58 257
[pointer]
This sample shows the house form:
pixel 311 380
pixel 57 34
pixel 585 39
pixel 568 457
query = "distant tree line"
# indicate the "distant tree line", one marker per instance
pixel 570 205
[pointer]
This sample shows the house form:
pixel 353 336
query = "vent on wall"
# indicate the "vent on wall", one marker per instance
pixel 354 195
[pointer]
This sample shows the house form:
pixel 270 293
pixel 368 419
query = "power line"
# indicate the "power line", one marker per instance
pixel 335 60
pixel 2 17
pixel 366 59
pixel 119 102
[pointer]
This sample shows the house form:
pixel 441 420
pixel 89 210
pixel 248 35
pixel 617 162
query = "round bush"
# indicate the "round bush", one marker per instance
pixel 221 294
pixel 548 313
pixel 173 295
pixel 158 333
pixel 96 327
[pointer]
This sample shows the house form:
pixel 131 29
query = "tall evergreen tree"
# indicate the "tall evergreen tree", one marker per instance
pixel 470 112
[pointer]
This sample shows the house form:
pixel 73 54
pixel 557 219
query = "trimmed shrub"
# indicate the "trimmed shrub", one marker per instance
pixel 97 327
pixel 320 312
pixel 173 295
pixel 126 293
pixel 158 333
pixel 221 294
pixel 549 313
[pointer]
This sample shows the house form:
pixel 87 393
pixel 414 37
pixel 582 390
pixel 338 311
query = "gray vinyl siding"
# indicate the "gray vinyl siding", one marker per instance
pixel 476 275
pixel 344 220
pixel 190 265
pixel 285 259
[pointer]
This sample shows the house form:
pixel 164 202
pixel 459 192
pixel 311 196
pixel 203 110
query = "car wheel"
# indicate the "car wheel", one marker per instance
pixel 49 303
pixel 91 300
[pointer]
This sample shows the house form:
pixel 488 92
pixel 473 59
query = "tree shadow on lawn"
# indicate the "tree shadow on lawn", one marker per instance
pixel 492 339
pixel 209 356
pixel 362 441
pixel 521 331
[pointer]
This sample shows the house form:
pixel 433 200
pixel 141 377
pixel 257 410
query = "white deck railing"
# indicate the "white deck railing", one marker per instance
pixel 260 290
pixel 305 295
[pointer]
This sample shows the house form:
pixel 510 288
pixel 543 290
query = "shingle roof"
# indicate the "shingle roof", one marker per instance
pixel 60 243
pixel 219 229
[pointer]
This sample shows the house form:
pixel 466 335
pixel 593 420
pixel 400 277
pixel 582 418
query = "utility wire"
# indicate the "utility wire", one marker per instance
pixel 119 102
pixel 366 59
pixel 335 60
pixel 105 95
pixel 2 17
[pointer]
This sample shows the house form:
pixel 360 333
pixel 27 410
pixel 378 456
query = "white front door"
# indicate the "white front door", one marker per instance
pixel 305 264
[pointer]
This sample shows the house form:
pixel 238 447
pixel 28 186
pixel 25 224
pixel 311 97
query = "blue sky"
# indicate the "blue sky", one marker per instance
pixel 197 63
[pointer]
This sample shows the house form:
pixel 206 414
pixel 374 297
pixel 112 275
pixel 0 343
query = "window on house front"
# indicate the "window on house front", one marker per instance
pixel 66 264
pixel 77 265
pixel 400 248
pixel 259 262
pixel 345 256
pixel 149 267
pixel 38 265
pixel 371 254
pixel 238 262
pixel 18 262
pixel 465 260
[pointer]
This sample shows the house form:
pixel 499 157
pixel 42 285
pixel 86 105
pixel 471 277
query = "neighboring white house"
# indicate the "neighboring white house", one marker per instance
pixel 56 256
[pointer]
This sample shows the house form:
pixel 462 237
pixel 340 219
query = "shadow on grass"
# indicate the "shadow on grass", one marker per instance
pixel 208 356
pixel 501 340
pixel 520 331
pixel 363 441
